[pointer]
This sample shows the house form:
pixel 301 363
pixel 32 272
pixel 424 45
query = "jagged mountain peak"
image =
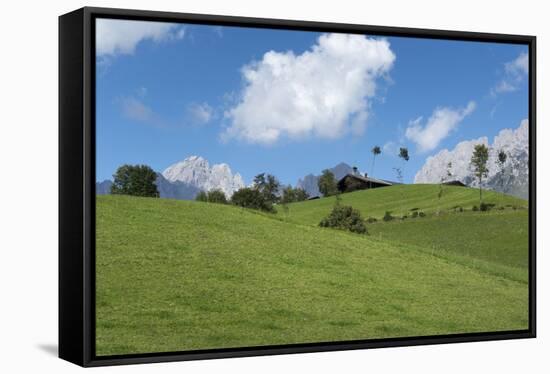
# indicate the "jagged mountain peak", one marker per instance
pixel 197 172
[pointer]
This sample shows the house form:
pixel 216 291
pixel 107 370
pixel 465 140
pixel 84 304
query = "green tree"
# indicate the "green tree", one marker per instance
pixel 217 196
pixel 251 198
pixel 292 195
pixel 404 155
pixel 135 180
pixel 300 194
pixel 478 163
pixel 202 196
pixel 268 186
pixel 327 183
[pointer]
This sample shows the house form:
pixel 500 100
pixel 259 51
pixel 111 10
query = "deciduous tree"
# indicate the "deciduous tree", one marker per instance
pixel 478 163
pixel 327 183
pixel 135 180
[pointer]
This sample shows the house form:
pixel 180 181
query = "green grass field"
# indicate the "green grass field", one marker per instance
pixel 497 241
pixel 398 200
pixel 181 275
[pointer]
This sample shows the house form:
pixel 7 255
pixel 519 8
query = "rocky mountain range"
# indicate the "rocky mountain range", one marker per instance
pixel 513 180
pixel 185 179
pixel 196 171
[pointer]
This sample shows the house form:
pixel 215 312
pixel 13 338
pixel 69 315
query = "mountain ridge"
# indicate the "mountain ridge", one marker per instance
pixel 513 180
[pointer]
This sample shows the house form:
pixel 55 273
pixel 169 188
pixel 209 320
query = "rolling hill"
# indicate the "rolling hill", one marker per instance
pixel 183 275
pixel 497 241
pixel 399 200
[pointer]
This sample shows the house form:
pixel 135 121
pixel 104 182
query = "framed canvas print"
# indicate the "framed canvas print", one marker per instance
pixel 236 186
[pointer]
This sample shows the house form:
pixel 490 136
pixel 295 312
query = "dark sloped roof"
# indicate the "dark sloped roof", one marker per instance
pixel 454 183
pixel 366 179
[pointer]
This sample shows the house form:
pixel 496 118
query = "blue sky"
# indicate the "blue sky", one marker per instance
pixel 292 103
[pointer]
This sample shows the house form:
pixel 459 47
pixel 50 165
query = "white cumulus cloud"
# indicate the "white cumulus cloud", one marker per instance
pixel 322 92
pixel 115 37
pixel 443 120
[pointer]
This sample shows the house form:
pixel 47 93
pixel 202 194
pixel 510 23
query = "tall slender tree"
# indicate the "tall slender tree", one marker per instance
pixel 501 160
pixel 478 163
pixel 375 152
pixel 404 156
pixel 444 179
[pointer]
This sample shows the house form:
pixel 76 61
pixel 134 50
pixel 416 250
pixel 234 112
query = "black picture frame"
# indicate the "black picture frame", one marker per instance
pixel 77 185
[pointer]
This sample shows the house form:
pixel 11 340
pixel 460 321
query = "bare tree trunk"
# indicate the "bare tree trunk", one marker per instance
pixel 480 199
pixel 372 170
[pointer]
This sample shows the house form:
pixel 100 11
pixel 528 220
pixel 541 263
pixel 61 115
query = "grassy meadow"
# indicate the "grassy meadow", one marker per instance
pixel 182 275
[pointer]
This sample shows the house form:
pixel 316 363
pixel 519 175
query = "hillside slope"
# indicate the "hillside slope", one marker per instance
pixel 399 200
pixel 495 241
pixel 179 275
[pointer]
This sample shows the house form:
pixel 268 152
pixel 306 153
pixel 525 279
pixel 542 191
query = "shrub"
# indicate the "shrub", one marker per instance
pixel 387 216
pixel 457 208
pixel 475 208
pixel 371 220
pixel 345 218
pixel 484 207
pixel 414 209
pixel 421 214
pixel 414 214
pixel 404 217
